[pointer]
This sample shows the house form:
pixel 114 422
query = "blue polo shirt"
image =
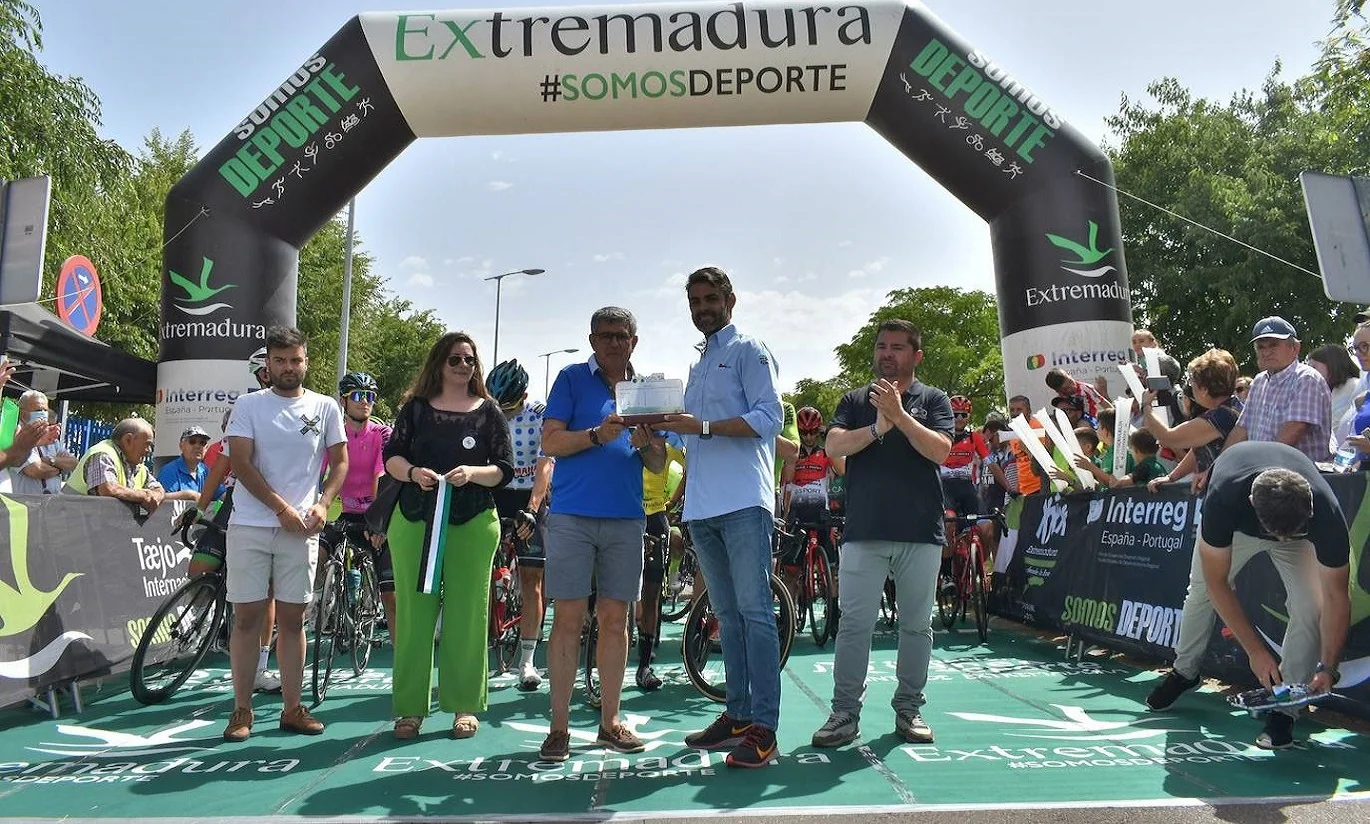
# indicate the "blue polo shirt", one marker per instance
pixel 734 377
pixel 602 481
pixel 177 477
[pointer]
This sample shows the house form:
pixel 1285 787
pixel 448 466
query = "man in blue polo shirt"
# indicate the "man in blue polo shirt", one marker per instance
pixel 734 416
pixel 595 524
pixel 184 477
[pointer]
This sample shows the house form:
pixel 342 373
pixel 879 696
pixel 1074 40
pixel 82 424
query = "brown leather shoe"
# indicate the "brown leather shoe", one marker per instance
pixel 299 720
pixel 239 725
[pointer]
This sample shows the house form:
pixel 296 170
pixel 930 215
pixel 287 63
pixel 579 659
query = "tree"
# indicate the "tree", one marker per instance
pixel 49 126
pixel 960 331
pixel 1234 168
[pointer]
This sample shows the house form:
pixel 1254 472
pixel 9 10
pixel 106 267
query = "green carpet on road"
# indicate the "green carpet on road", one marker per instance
pixel 1016 726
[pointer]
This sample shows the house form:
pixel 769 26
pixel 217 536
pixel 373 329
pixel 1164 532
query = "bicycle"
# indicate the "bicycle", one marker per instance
pixel 678 584
pixel 506 600
pixel 182 630
pixel 704 663
pixel 816 599
pixel 348 606
pixel 590 635
pixel 968 586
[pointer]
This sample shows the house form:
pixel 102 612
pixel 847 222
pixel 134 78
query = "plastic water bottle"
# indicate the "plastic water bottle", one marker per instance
pixel 1345 459
pixel 503 580
pixel 354 584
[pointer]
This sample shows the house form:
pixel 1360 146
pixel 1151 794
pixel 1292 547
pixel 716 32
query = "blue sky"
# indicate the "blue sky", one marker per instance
pixel 815 223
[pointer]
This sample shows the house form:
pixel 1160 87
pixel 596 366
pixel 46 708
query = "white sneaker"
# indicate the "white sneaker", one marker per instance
pixel 266 681
pixel 529 678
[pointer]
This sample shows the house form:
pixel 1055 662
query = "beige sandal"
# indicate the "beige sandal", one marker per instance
pixel 407 728
pixel 465 725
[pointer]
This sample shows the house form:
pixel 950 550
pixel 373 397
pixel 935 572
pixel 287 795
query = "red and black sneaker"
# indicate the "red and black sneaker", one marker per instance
pixel 725 731
pixel 756 750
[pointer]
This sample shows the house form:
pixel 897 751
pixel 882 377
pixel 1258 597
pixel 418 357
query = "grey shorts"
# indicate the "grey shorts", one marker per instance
pixel 607 550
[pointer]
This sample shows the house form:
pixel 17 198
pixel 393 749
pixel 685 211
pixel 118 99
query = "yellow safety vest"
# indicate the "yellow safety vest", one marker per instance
pixel 77 482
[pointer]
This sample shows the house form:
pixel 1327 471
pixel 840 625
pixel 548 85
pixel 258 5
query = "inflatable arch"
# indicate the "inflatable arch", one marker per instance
pixel 235 223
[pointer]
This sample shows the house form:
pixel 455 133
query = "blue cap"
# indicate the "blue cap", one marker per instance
pixel 1273 327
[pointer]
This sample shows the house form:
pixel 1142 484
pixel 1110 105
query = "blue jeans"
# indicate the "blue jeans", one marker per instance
pixel 735 553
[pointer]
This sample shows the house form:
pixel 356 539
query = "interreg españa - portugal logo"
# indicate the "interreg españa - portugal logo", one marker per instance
pixel 194 301
pixel 1085 255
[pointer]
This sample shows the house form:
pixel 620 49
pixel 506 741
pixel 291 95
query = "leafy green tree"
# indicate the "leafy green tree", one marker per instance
pixel 386 335
pixel 1234 167
pixel 49 127
pixel 961 353
pixel 960 342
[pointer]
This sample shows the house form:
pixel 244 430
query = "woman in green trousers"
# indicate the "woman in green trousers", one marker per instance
pixel 450 447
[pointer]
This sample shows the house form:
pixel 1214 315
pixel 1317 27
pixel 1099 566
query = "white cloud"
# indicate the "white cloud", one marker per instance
pixel 873 267
pixel 671 263
pixel 499 185
pixel 447 261
pixel 500 155
pixel 844 244
pixel 465 259
pixel 414 263
pixel 607 256
pixel 782 279
pixel 676 280
pixel 777 261
pixel 421 279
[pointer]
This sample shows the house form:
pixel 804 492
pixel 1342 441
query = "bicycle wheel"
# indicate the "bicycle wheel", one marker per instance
pixel 675 600
pixel 979 590
pixel 822 601
pixel 703 658
pixel 328 622
pixel 889 608
pixel 365 613
pixel 176 638
pixel 505 610
pixel 947 598
pixel 593 695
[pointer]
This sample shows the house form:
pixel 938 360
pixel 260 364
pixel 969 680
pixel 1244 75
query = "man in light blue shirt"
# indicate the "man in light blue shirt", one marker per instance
pixel 733 416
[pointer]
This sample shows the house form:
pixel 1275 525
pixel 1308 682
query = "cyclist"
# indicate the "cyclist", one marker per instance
pixel 654 504
pixel 524 500
pixel 806 495
pixel 366 440
pixel 960 474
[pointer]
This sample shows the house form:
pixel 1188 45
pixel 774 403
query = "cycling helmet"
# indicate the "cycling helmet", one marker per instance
pixel 507 382
pixel 809 419
pixel 960 403
pixel 257 362
pixel 357 381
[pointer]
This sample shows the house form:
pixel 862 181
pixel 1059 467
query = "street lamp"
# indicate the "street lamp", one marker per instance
pixel 547 368
pixel 499 282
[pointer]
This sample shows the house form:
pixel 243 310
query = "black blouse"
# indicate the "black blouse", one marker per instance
pixel 441 441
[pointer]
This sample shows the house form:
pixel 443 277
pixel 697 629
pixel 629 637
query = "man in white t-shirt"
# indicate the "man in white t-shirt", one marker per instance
pixel 277 440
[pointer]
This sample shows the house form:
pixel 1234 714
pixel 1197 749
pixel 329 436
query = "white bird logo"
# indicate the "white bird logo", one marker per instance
pixel 1078 722
pixel 122 743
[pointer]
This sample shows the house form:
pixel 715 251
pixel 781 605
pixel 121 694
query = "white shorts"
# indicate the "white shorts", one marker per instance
pixel 263 558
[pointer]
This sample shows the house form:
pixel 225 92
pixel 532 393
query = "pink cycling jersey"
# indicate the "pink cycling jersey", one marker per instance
pixel 364 465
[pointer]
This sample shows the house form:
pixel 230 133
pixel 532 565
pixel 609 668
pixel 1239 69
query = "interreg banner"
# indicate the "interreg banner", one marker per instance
pixel 1113 568
pixel 86 576
pixel 235 223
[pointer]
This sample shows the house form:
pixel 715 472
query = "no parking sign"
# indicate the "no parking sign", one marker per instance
pixel 79 298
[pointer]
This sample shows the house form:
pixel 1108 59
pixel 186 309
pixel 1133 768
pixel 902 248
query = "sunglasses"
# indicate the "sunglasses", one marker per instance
pixel 362 396
pixel 198 441
pixel 458 360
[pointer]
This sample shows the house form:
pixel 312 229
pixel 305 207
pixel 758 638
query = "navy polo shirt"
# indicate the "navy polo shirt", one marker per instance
pixel 602 481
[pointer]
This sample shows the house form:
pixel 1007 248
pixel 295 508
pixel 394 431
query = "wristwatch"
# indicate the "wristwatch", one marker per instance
pixel 704 433
pixel 594 436
pixel 1332 672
